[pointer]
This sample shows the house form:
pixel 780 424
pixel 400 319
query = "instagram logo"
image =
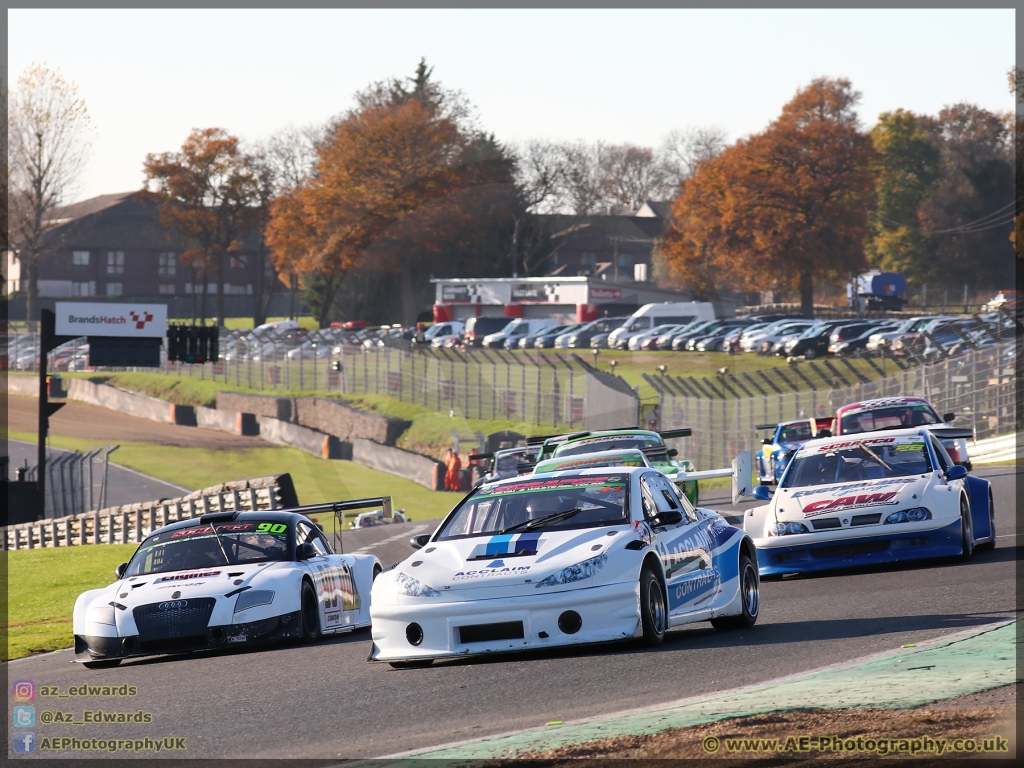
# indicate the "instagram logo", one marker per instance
pixel 24 690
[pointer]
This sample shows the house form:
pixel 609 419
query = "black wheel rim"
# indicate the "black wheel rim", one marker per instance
pixel 751 594
pixel 656 606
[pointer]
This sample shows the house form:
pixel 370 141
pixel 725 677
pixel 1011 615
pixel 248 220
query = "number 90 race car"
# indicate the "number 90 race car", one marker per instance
pixel 870 498
pixel 227 580
pixel 563 558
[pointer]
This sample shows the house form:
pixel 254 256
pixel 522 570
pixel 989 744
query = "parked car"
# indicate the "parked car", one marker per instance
pixel 478 327
pixel 581 339
pixel 662 313
pixel 514 330
pixel 546 339
pixel 855 343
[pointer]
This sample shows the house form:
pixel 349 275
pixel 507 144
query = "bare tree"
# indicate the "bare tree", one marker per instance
pixel 683 150
pixel 290 155
pixel 48 146
pixel 630 175
pixel 537 170
pixel 579 188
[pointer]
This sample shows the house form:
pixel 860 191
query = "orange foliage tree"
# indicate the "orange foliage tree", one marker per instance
pixel 206 191
pixel 785 208
pixel 397 155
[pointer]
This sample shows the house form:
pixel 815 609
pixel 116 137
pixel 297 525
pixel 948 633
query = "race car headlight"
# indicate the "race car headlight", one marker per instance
pixel 410 587
pixel 787 529
pixel 577 572
pixel 915 515
pixel 101 614
pixel 253 597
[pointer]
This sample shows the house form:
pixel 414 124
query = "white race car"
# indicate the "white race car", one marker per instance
pixel 870 498
pixel 227 579
pixel 564 558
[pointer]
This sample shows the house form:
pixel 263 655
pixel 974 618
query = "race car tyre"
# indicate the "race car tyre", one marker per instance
pixel 101 663
pixel 750 593
pixel 991 544
pixel 310 613
pixel 377 571
pixel 412 664
pixel 966 530
pixel 653 614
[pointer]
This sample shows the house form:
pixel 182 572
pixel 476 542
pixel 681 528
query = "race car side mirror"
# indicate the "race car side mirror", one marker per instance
pixel 956 472
pixel 672 453
pixel 305 551
pixel 119 571
pixel 420 540
pixel 767 441
pixel 762 493
pixel 669 517
pixel 948 417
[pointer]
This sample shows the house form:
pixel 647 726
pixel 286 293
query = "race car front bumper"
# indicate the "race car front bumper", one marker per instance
pixel 775 555
pixel 98 647
pixel 496 625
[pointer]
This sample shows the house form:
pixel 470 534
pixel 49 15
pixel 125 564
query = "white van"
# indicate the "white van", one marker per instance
pixel 652 315
pixel 516 329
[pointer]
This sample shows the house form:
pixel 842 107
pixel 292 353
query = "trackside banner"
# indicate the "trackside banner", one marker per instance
pixel 96 319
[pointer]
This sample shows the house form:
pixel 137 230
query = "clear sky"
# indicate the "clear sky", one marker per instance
pixel 150 76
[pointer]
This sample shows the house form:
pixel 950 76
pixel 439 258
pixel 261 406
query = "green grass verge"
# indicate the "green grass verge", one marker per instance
pixel 43 585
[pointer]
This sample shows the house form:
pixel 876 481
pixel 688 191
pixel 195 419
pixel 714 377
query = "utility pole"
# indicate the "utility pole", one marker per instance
pixel 48 340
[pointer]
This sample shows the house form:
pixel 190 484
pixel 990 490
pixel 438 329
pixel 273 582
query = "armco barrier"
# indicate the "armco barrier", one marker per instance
pixel 131 523
pixel 413 466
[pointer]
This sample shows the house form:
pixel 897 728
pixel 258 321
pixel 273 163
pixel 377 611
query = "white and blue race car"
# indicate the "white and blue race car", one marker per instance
pixel 227 580
pixel 564 558
pixel 877 497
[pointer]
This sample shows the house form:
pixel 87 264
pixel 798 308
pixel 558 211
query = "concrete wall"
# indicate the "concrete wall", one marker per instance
pixel 23 385
pixel 413 466
pixel 127 402
pixel 224 421
pixel 261 405
pixel 347 423
pixel 305 439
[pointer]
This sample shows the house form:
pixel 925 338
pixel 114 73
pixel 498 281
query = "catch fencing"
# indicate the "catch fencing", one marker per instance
pixel 75 482
pixel 979 386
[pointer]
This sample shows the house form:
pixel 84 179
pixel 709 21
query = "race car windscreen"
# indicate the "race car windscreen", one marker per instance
pixel 796 433
pixel 610 443
pixel 594 500
pixel 890 417
pixel 857 461
pixel 186 549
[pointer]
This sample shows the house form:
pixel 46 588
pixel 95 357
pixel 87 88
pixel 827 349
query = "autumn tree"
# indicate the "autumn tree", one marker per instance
pixel 205 191
pixel 48 133
pixel 403 151
pixel 907 165
pixel 786 207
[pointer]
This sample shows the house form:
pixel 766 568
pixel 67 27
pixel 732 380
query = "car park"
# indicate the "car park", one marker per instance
pixel 443 331
pixel 772 334
pixel 478 327
pixel 663 313
pixel 549 338
pixel 868 499
pixel 563 558
pixel 227 580
pixel 602 326
pixel 849 340
pixel 786 438
pixel 515 329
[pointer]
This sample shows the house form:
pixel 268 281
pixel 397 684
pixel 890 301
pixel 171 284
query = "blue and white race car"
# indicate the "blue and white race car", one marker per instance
pixel 563 558
pixel 871 498
pixel 786 437
pixel 227 580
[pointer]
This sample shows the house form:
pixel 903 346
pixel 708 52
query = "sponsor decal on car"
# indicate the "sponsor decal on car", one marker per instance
pixel 855 501
pixel 850 444
pixel 226 528
pixel 188 576
pixel 846 488
pixel 488 571
pixel 604 482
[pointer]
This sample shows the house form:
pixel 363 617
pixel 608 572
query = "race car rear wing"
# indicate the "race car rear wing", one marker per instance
pixel 339 508
pixel 666 434
pixel 740 472
pixel 952 433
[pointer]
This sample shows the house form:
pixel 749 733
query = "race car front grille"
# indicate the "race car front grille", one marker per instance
pixel 866 519
pixel 824 523
pixel 849 550
pixel 173 624
pixel 486 633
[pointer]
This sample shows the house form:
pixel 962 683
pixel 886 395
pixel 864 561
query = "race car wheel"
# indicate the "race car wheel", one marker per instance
pixel 653 613
pixel 966 530
pixel 750 594
pixel 991 544
pixel 310 613
pixel 412 664
pixel 377 571
pixel 101 663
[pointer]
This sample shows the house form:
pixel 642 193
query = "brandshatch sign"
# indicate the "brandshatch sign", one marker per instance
pixel 101 319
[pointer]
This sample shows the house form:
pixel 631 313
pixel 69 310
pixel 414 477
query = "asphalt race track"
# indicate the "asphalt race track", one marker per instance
pixel 325 701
